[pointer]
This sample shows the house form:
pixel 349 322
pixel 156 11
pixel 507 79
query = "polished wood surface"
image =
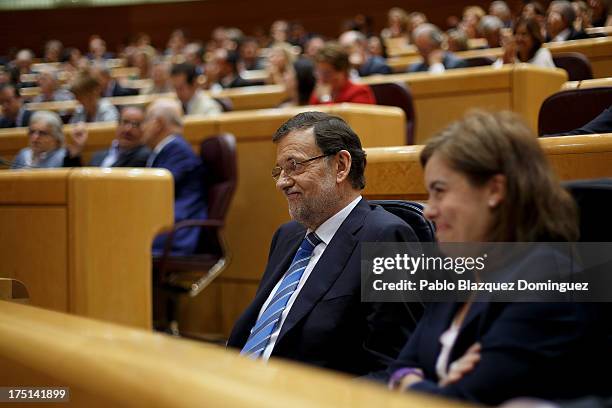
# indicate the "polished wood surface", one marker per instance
pixel 80 239
pixel 395 172
pixel 440 99
pixel 113 366
pixel 589 83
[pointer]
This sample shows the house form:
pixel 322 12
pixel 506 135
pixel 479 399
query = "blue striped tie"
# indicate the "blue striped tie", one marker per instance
pixel 268 322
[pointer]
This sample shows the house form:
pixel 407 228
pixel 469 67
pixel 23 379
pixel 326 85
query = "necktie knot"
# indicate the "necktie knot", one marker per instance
pixel 310 241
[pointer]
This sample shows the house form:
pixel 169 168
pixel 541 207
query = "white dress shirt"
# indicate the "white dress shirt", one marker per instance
pixel 326 232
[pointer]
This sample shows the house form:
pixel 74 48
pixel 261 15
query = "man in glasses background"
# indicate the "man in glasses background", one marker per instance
pixel 308 307
pixel 46 143
pixel 126 150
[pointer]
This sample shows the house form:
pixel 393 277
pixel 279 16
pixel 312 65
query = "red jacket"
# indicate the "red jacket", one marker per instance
pixel 351 92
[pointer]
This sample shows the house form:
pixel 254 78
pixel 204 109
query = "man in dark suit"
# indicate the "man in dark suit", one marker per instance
pixel 428 39
pixel 308 306
pixel 127 150
pixel 560 19
pixel 14 114
pixel 109 86
pixel 356 44
pixel 162 129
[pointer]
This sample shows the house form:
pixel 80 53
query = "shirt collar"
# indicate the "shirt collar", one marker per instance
pixel 327 230
pixel 563 35
pixel 165 141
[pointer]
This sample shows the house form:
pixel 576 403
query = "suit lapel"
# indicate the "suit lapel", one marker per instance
pixel 328 268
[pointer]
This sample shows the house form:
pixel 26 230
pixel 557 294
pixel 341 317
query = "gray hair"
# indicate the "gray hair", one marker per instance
pixel 502 7
pixel 431 31
pixel 565 9
pixel 52 120
pixel 489 24
pixel 169 110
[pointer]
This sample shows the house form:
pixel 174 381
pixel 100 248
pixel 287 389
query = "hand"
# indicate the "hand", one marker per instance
pixel 462 366
pixel 78 139
pixel 323 92
pixel 509 44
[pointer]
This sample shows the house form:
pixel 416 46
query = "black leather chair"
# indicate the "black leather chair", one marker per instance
pixel 189 275
pixel 571 109
pixel 577 65
pixel 412 213
pixel 397 94
pixel 593 198
pixel 479 61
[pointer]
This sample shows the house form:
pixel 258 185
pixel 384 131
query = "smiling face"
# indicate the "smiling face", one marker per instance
pixel 461 211
pixel 312 192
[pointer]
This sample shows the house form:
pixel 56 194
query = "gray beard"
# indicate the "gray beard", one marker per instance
pixel 314 211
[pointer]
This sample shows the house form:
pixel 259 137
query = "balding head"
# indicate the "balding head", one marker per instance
pixel 164 117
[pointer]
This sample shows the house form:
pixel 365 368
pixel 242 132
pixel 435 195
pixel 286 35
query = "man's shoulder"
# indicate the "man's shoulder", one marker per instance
pixel 453 61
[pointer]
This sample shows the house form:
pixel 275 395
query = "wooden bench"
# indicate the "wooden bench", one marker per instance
pixel 395 172
pixel 440 99
pixel 106 365
pixel 80 239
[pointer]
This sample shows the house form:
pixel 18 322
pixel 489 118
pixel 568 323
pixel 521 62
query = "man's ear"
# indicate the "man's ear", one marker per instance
pixel 344 161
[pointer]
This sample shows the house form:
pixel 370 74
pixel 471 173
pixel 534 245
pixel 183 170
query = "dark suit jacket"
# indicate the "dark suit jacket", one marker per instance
pixel 136 157
pixel 23 120
pixel 189 195
pixel 117 90
pixel 328 325
pixel 450 61
pixel 542 350
pixel 375 65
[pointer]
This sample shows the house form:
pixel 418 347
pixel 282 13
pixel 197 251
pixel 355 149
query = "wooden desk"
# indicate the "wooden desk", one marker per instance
pixel 588 83
pixel 106 365
pixel 442 98
pixel 395 172
pixel 80 239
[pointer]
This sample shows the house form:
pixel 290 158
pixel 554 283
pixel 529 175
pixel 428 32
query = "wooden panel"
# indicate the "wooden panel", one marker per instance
pixel 597 50
pixel 253 97
pixel 33 249
pixel 108 364
pixel 242 293
pixel 531 85
pixel 395 172
pixel 46 187
pixel 113 217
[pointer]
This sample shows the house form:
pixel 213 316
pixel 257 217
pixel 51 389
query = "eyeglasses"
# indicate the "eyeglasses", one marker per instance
pixel 32 132
pixel 130 123
pixel 294 167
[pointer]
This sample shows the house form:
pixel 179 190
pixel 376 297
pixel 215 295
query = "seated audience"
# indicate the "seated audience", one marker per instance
pixel 46 141
pixel 309 309
pixel 127 150
pixel 356 44
pixel 194 100
pixel 92 108
pixel 223 72
pixel 489 181
pixel 415 19
pixel 53 51
pixel 97 50
pixel 49 88
pixel 108 85
pixel 22 66
pixel 397 24
pixel 428 40
pixel 281 71
pixel 176 43
pixel 376 47
pixel 14 113
pixel 456 40
pixel 249 55
pixel 160 75
pixel 560 22
pixel 490 29
pixel 500 9
pixel 162 133
pixel 333 83
pixel 526 46
pixel 194 55
pixel 470 21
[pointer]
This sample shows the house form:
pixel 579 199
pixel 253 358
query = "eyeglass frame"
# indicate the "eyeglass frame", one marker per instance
pixel 295 164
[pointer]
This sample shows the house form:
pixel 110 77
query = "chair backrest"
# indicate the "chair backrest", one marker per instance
pixel 593 198
pixel 571 109
pixel 397 94
pixel 577 65
pixel 479 61
pixel 412 213
pixel 219 156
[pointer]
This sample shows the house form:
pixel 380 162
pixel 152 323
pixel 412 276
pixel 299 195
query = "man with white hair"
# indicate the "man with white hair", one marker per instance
pixel 428 39
pixel 500 9
pixel 162 133
pixel 46 142
pixel 49 88
pixel 490 29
